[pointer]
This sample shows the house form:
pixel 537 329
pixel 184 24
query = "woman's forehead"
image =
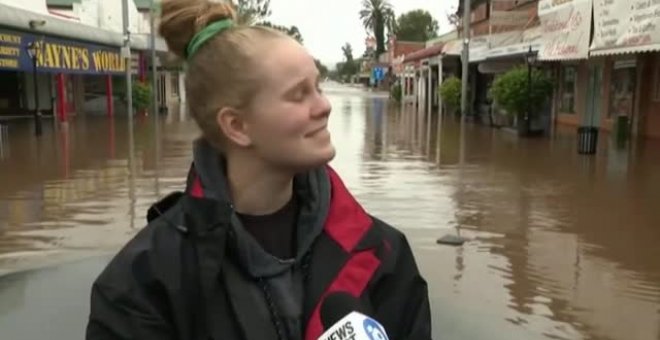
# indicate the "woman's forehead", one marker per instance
pixel 288 59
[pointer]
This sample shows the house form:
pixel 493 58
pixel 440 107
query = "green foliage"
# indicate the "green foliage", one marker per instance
pixel 141 95
pixel 348 68
pixel 251 11
pixel 395 92
pixel 292 31
pixel 450 92
pixel 322 69
pixel 416 25
pixel 511 91
pixel 347 50
pixel 378 16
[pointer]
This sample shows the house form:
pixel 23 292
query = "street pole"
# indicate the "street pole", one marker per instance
pixel 450 239
pixel 466 60
pixel 465 77
pixel 154 81
pixel 154 74
pixel 129 111
pixel 127 60
pixel 529 96
pixel 37 114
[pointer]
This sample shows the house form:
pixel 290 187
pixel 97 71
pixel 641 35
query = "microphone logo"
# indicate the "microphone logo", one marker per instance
pixel 374 330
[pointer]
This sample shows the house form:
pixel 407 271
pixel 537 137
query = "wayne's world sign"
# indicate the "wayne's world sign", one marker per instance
pixel 57 55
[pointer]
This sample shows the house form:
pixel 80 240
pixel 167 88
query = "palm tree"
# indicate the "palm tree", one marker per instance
pixel 376 16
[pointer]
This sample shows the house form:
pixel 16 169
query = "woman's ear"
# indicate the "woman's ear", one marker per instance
pixel 233 126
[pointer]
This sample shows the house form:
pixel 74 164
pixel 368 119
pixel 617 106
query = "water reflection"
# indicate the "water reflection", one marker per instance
pixel 83 187
pixel 564 245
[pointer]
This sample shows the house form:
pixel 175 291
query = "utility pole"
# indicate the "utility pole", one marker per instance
pixel 465 59
pixel 154 83
pixel 154 72
pixel 129 110
pixel 127 63
pixel 450 239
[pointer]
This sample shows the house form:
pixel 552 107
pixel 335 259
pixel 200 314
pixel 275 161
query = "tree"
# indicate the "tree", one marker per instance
pixel 252 11
pixel 514 92
pixel 377 16
pixel 450 92
pixel 291 31
pixel 350 66
pixel 255 12
pixel 323 71
pixel 347 50
pixel 416 25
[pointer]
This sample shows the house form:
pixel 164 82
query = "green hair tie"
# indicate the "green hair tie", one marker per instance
pixel 205 34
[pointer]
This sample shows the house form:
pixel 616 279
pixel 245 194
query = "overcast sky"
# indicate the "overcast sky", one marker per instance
pixel 326 25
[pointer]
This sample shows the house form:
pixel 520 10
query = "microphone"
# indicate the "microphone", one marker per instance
pixel 344 318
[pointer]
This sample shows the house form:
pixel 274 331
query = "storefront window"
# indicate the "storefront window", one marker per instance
pixel 622 89
pixel 568 89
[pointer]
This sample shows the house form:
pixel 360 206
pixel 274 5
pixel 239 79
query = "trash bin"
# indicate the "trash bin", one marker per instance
pixel 587 140
pixel 622 129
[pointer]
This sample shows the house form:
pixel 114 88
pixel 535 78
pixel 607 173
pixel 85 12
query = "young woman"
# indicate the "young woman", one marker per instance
pixel 265 229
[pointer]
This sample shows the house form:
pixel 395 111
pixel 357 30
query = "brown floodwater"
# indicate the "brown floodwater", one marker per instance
pixel 562 246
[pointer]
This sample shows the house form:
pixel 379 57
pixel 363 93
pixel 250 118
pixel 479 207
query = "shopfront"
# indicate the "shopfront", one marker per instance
pixel 628 37
pixel 61 66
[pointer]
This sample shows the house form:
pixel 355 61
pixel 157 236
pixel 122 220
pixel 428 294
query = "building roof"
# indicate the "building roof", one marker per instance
pixel 400 48
pixel 424 54
pixel 141 4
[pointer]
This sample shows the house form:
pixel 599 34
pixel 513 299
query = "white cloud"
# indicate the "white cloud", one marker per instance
pixel 327 25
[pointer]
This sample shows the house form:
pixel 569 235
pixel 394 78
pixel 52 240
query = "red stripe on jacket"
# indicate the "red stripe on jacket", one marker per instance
pixel 347 223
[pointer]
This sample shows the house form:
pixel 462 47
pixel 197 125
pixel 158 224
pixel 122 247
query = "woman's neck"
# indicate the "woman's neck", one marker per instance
pixel 257 189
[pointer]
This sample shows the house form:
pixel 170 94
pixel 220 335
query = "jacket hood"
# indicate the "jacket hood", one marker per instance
pixel 207 179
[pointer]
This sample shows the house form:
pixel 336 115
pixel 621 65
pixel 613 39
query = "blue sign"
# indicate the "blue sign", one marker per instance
pixel 57 55
pixel 374 330
pixel 378 73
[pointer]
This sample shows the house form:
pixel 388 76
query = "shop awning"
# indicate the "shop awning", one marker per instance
pixel 566 29
pixel 453 48
pixel 422 54
pixel 624 28
pixel 518 46
pixel 18 18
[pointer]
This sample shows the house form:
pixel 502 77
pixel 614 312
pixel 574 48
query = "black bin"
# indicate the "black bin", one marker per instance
pixel 587 140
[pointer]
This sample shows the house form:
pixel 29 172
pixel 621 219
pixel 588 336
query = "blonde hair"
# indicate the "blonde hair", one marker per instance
pixel 223 72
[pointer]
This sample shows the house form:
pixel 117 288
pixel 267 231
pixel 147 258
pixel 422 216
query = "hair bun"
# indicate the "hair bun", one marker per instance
pixel 182 19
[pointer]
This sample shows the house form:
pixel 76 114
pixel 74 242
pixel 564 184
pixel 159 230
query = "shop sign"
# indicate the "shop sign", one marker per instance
pixel 566 29
pixel 626 26
pixel 57 55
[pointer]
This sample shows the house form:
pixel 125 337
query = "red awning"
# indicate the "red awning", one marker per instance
pixel 428 52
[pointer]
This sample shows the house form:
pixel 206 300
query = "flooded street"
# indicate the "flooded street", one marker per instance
pixel 562 246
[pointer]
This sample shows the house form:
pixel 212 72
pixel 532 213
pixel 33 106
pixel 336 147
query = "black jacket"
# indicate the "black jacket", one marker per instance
pixel 193 273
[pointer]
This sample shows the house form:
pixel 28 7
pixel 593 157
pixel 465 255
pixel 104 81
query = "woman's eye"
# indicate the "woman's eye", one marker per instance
pixel 298 95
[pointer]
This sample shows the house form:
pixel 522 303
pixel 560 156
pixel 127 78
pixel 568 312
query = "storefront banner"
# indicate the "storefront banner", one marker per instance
pixel 566 29
pixel 626 26
pixel 57 55
pixel 481 46
pixel 508 20
pixel 530 38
